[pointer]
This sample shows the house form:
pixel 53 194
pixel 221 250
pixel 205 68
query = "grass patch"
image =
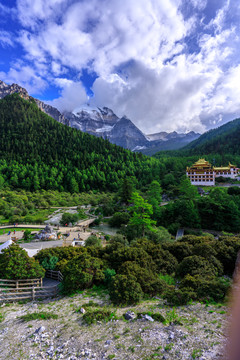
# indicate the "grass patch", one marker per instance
pixel 197 353
pixel 38 316
pixel 173 318
pixel 92 316
pixel 90 304
pixel 155 316
pixel 5 231
pixel 168 347
pixel 1 317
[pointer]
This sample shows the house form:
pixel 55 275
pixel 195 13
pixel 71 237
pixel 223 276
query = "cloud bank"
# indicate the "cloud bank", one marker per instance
pixel 164 65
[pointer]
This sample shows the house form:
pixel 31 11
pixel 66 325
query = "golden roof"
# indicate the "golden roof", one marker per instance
pixel 222 168
pixel 201 162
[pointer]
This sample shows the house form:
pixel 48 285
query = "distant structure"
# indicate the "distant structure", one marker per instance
pixel 46 234
pixel 203 173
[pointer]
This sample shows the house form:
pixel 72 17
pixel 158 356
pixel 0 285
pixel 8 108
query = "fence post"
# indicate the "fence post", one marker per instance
pixel 41 282
pixel 33 293
pixel 17 284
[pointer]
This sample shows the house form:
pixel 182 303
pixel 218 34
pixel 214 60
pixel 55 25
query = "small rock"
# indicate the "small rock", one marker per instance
pixel 40 330
pixel 147 317
pixel 82 311
pixel 130 315
pixel 108 342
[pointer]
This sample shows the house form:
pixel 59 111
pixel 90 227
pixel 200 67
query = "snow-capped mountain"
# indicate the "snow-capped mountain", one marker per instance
pixel 102 122
pixel 121 131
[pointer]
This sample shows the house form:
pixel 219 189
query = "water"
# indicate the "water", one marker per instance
pixel 106 229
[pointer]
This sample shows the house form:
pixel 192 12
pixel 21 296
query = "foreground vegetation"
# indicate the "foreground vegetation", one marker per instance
pixel 200 266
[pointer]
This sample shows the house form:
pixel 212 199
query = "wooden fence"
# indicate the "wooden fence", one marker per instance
pixel 17 284
pixel 32 289
pixel 55 275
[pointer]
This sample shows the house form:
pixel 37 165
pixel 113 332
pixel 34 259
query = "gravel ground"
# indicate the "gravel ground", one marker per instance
pixel 199 333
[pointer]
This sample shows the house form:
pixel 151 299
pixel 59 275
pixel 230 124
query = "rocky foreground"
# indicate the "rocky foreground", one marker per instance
pixel 195 331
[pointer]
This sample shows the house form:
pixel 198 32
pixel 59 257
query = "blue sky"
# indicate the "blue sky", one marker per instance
pixel 166 64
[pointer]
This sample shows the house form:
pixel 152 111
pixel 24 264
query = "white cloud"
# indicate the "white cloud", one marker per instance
pixel 138 48
pixel 168 100
pixel 72 94
pixel 24 76
pixel 6 38
pixel 199 4
pixel 105 35
pixel 32 12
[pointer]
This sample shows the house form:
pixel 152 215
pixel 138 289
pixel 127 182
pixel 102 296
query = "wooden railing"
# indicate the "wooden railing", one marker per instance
pixel 55 275
pixel 17 284
pixel 28 293
pixel 32 289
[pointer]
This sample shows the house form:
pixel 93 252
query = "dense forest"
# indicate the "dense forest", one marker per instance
pixel 222 140
pixel 36 152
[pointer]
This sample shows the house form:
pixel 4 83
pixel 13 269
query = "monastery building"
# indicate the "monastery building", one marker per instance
pixel 203 173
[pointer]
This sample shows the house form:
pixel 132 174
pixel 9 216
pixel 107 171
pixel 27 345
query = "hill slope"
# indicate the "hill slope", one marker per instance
pixel 36 152
pixel 222 140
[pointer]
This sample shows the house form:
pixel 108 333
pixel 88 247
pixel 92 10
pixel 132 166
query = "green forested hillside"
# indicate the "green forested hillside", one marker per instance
pixel 36 152
pixel 223 140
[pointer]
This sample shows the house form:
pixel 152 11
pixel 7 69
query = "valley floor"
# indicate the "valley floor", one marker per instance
pixel 198 334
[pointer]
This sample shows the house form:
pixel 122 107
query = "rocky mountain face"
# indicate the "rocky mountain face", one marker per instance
pixel 121 131
pixel 49 110
pixel 168 141
pixel 102 122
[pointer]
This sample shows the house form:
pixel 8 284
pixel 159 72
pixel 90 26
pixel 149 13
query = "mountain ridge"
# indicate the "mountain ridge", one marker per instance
pixel 103 122
pixel 47 109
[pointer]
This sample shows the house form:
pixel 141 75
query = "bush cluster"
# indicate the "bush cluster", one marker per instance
pixel 193 268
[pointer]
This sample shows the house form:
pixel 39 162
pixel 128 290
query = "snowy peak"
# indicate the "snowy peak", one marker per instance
pixel 104 114
pixel 121 131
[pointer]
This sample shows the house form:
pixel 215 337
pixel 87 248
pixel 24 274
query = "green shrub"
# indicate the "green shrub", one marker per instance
pixel 206 287
pixel 68 218
pixel 227 249
pixel 173 318
pixel 119 239
pixel 93 240
pixel 49 263
pixel 194 265
pixel 82 272
pixel 125 290
pixel 16 264
pixel 87 305
pixel 62 253
pixel 168 279
pixel 159 236
pixel 27 235
pixel 179 250
pixel 109 274
pixel 177 297
pixel 38 316
pixel 119 218
pixel 103 314
pixel 149 282
pixel 117 254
